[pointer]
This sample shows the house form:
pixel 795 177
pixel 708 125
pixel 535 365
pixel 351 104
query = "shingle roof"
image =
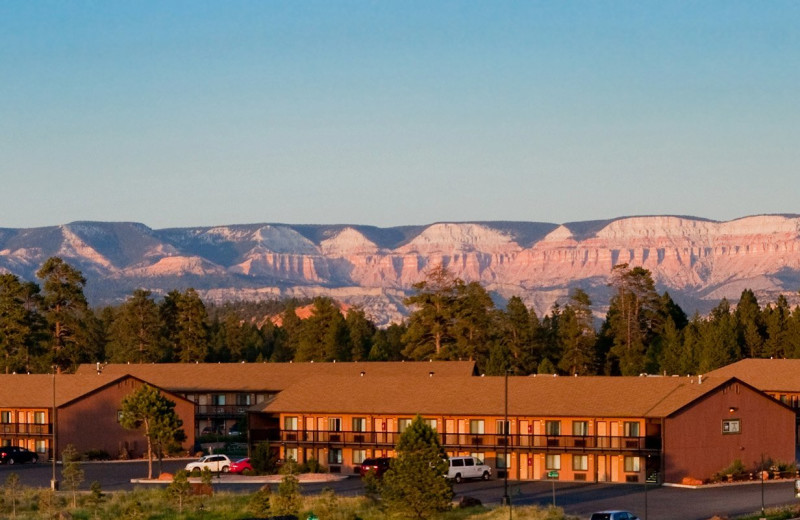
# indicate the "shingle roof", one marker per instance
pixel 532 396
pixel 768 375
pixel 36 390
pixel 254 377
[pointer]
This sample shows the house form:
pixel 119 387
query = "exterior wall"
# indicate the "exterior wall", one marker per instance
pixel 594 450
pixel 90 423
pixel 219 411
pixel 695 445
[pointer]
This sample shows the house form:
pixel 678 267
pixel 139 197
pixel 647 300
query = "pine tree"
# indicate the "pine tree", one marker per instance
pixel 415 485
pixel 430 325
pixel 147 409
pixel 65 307
pixel 16 327
pixel 749 324
pixel 135 332
pixel 577 336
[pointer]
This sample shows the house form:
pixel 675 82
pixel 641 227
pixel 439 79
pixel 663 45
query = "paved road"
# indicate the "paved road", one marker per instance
pixel 663 503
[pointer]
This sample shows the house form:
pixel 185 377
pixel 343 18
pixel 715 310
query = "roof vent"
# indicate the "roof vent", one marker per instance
pixel 430 374
pixel 362 373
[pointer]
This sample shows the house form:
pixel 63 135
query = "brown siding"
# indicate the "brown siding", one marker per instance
pixel 695 446
pixel 90 423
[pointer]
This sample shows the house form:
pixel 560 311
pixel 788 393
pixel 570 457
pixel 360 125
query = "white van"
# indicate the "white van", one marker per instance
pixel 468 467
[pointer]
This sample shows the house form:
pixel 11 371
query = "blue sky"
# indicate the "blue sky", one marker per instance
pixel 393 113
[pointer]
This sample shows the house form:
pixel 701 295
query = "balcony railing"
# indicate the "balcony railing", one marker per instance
pixel 221 410
pixel 482 441
pixel 25 429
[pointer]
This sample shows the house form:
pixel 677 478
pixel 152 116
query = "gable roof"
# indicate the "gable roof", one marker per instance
pixel 768 375
pixel 36 390
pixel 270 377
pixel 543 396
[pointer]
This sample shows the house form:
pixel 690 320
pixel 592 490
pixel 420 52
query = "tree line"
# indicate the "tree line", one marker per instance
pixel 51 325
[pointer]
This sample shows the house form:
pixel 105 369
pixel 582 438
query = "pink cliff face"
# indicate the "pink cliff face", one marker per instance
pixel 697 261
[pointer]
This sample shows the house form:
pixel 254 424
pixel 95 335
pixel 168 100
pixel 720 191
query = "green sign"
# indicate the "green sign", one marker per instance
pixel 552 474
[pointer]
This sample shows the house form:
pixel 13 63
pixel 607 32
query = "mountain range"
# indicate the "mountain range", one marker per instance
pixel 698 261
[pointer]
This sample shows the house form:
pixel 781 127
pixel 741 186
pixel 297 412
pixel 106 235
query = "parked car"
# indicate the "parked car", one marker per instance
pixel 377 466
pixel 214 463
pixel 614 515
pixel 241 465
pixel 468 467
pixel 17 455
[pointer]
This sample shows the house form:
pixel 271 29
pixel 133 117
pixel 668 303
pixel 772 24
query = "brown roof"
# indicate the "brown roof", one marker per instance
pixel 36 390
pixel 768 375
pixel 254 377
pixel 542 396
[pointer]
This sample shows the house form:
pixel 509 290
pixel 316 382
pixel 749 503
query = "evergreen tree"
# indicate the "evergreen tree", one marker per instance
pixel 192 338
pixel 415 485
pixel 671 354
pixel 16 327
pixel 719 345
pixel 387 344
pixel 324 335
pixel 776 318
pixel 361 332
pixel 65 308
pixel 434 304
pixel 749 324
pixel 632 315
pixel 577 336
pixel 135 332
pixel 71 472
pixel 146 408
pixel 472 324
pixel 516 330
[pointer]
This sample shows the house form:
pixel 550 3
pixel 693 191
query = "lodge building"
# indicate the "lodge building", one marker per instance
pixel 597 429
pixel 591 429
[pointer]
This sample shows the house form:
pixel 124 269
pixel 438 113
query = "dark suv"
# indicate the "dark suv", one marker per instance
pixel 377 466
pixel 15 454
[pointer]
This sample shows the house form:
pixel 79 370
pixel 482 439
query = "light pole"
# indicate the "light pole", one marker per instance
pixel 506 498
pixel 54 421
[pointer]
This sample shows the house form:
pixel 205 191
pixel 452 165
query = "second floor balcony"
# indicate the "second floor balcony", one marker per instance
pixel 477 442
pixel 221 411
pixel 25 429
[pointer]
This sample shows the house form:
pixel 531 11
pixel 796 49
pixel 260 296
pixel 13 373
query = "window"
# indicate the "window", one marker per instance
pixel 731 426
pixel 504 462
pixel 552 427
pixel 290 423
pixel 430 422
pixel 403 424
pixel 41 446
pixel 469 462
pixel 5 417
pixel 631 464
pixel 552 462
pixel 38 418
pixel 218 399
pixel 334 424
pixel 580 428
pixel 359 424
pixel 476 426
pixel 631 429
pixel 243 399
pixel 580 462
pixel 335 456
pixel 503 427
pixel 290 454
pixel 359 456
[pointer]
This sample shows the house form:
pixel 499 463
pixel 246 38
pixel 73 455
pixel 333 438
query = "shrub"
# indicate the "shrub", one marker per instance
pixel 96 455
pixel 312 465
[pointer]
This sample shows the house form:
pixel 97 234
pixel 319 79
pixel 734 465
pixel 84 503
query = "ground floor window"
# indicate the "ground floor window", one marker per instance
pixel 290 454
pixel 41 446
pixel 552 462
pixel 580 462
pixel 335 456
pixel 631 464
pixel 359 456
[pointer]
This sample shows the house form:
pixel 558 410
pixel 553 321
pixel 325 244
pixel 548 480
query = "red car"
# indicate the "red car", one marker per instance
pixel 240 466
pixel 378 466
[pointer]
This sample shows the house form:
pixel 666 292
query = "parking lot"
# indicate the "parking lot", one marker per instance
pixel 663 503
